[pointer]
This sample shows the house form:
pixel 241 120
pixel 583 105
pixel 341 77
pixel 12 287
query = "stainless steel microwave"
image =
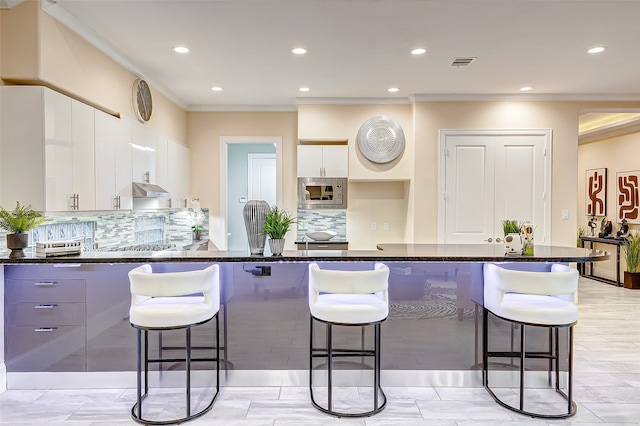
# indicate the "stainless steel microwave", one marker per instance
pixel 322 193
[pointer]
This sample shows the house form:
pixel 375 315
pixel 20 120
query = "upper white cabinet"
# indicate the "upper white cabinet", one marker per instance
pixel 47 150
pixel 323 161
pixel 179 169
pixel 143 142
pixel 173 166
pixel 113 162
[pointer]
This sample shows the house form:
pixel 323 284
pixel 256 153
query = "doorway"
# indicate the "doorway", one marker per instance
pixel 488 176
pixel 248 170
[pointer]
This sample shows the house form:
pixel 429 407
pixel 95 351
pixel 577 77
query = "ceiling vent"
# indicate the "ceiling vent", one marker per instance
pixel 462 62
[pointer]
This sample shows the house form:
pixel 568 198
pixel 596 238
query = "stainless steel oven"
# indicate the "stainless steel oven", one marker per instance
pixel 322 193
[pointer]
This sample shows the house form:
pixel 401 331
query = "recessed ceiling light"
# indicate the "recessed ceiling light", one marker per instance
pixel 418 51
pixel 216 88
pixel 304 89
pixel 525 88
pixel 299 51
pixel 181 49
pixel 393 89
pixel 597 49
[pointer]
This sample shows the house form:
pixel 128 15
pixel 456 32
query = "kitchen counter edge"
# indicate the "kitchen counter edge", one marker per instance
pixel 385 252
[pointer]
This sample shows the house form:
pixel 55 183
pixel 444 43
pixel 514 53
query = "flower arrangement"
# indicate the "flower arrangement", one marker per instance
pixel 527 242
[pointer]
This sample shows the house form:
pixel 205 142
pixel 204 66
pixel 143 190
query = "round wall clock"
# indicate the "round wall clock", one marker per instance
pixel 380 139
pixel 142 104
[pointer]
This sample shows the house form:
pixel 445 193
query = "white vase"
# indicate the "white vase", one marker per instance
pixel 513 243
pixel 277 246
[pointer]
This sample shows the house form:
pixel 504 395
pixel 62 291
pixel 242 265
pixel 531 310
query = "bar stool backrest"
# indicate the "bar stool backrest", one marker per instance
pixel 561 282
pixel 146 284
pixel 349 282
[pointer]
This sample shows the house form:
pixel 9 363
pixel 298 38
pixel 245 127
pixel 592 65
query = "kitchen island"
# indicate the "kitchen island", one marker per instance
pixel 431 335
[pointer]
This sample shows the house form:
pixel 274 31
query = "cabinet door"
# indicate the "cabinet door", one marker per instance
pixel 21 137
pixel 123 163
pixel 58 151
pixel 143 142
pixel 309 160
pixel 179 168
pixel 105 151
pixel 335 160
pixel 162 170
pixel 83 155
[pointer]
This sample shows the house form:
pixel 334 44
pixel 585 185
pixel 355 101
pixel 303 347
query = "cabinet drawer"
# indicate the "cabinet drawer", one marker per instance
pixel 44 291
pixel 323 246
pixel 49 314
pixel 34 348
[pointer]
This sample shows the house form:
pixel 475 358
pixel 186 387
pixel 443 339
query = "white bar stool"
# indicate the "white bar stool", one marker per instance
pixel 348 298
pixel 171 301
pixel 533 299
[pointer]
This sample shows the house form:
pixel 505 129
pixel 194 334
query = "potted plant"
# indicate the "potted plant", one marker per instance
pixel 632 258
pixel 276 225
pixel 512 239
pixel 17 222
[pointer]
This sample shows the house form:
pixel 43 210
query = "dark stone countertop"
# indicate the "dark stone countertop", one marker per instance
pixel 385 252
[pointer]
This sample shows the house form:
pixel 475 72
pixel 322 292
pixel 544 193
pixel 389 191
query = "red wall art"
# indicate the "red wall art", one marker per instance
pixel 596 185
pixel 627 195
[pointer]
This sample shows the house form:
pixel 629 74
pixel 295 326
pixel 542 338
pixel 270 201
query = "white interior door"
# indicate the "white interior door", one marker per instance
pixel 262 177
pixel 490 176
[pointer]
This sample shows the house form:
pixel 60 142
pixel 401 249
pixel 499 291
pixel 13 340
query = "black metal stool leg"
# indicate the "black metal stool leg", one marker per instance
pixel 329 368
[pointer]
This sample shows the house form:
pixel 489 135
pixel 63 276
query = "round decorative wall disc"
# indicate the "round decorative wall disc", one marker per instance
pixel 381 139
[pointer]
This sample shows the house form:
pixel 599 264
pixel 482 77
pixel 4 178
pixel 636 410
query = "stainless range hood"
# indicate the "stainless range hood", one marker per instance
pixel 148 190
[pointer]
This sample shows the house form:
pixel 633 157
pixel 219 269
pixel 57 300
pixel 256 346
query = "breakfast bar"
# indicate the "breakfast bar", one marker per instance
pixel 79 328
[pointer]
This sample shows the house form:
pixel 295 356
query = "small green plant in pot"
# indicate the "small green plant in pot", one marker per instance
pixel 632 259
pixel 17 222
pixel 512 238
pixel 276 225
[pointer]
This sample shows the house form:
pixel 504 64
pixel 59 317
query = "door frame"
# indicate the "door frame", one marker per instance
pixel 224 142
pixel 548 154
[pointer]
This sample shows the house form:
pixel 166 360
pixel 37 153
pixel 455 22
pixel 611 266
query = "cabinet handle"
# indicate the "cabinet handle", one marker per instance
pixel 322 246
pixel 170 202
pixel 45 306
pixel 116 202
pixel 185 203
pixel 77 201
pixel 45 283
pixel 46 329
pixel 146 177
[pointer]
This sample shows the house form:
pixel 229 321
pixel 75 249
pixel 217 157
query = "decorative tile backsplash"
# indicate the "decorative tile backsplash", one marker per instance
pixel 118 229
pixel 315 220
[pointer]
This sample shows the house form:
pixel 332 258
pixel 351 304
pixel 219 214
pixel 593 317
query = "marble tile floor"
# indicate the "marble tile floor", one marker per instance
pixel 607 388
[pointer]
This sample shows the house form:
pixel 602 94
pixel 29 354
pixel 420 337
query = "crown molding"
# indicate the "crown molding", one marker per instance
pixel 353 101
pixel 61 15
pixel 241 108
pixel 619 128
pixel 530 97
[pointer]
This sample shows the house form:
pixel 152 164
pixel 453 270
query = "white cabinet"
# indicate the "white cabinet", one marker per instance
pixel 179 169
pixel 47 150
pixel 323 161
pixel 143 153
pixel 113 162
pixel 173 168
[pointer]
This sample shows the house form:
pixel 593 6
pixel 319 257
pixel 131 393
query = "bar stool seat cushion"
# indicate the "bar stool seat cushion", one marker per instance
pixel 536 309
pixel 159 312
pixel 350 308
pixel 543 298
pixel 173 299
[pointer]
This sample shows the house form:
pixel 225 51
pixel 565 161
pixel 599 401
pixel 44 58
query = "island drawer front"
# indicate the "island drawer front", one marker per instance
pixel 44 290
pixel 40 348
pixel 60 313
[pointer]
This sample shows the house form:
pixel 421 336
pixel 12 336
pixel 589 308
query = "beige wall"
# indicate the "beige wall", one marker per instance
pixel 616 154
pixel 37 49
pixel 204 132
